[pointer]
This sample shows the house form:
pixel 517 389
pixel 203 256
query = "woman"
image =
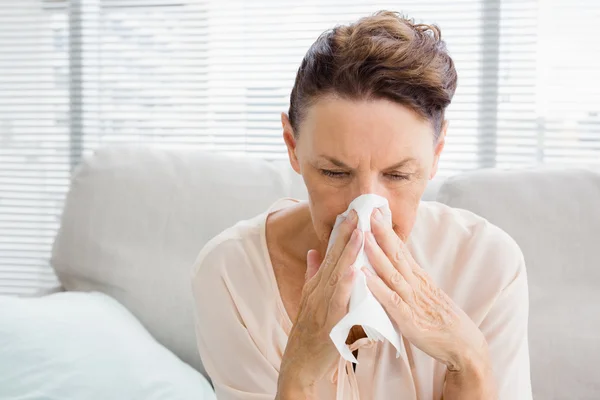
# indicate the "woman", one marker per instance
pixel 366 116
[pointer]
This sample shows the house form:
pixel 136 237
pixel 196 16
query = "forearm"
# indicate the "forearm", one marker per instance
pixel 473 380
pixel 292 394
pixel 291 385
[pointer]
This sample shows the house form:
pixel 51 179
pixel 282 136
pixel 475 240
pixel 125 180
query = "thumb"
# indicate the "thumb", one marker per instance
pixel 313 263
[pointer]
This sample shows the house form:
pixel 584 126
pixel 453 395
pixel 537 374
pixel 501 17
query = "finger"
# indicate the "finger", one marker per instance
pixel 313 262
pixel 386 270
pixel 344 264
pixel 392 303
pixel 391 245
pixel 410 259
pixel 343 236
pixel 338 304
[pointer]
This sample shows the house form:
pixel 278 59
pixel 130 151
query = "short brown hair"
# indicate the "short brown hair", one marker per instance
pixel 385 55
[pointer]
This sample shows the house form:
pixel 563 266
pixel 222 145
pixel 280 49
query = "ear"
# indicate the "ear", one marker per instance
pixel 290 141
pixel 439 147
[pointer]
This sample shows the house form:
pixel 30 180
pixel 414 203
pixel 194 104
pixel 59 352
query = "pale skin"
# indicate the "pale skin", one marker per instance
pixel 346 148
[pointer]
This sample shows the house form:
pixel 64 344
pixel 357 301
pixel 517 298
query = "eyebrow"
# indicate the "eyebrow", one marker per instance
pixel 341 164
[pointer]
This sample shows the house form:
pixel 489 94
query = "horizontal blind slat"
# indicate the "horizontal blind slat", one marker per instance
pixel 212 74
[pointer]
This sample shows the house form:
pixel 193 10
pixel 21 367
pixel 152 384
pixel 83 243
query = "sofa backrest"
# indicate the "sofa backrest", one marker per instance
pixel 554 216
pixel 136 218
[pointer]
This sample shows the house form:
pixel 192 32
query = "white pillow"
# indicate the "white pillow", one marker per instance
pixel 87 346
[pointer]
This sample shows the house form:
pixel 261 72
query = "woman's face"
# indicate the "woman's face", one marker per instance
pixel 348 148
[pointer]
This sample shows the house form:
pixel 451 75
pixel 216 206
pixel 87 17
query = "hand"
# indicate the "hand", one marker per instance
pixel 310 354
pixel 423 313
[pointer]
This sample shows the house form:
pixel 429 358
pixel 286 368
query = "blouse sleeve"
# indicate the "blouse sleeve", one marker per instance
pixel 236 366
pixel 505 329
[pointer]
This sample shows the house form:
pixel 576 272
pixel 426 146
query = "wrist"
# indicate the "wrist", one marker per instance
pixel 468 361
pixel 469 358
pixel 474 369
pixel 470 376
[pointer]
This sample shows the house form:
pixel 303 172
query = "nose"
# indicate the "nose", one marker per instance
pixel 367 183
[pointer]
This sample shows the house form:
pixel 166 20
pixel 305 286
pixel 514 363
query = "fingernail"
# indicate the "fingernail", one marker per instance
pixel 370 237
pixel 353 216
pixel 353 236
pixel 378 215
pixel 348 271
pixel 356 236
pixel 367 271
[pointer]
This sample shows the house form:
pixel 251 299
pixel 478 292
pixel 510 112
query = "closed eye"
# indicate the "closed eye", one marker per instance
pixel 334 174
pixel 397 177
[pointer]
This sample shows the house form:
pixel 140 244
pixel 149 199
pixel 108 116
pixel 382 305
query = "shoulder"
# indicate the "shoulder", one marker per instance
pixel 233 259
pixel 463 227
pixel 466 250
pixel 240 251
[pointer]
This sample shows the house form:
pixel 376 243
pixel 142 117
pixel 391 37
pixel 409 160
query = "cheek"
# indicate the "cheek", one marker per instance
pixel 326 203
pixel 404 213
pixel 324 213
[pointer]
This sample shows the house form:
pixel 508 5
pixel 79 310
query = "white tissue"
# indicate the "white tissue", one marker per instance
pixel 364 309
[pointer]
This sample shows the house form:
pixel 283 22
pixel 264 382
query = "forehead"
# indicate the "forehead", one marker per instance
pixel 352 127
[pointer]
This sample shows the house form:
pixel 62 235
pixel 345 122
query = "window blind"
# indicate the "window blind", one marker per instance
pixel 34 137
pixel 216 75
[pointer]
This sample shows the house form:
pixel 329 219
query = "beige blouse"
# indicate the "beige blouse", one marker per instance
pixel 242 326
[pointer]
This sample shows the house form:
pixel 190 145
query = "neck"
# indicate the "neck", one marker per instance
pixel 304 238
pixel 297 233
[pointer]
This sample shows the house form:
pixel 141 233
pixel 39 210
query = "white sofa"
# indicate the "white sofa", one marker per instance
pixel 135 219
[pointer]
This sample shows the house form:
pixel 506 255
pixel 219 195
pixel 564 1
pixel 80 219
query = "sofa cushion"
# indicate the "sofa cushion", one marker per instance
pixel 136 218
pixel 74 346
pixel 554 215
